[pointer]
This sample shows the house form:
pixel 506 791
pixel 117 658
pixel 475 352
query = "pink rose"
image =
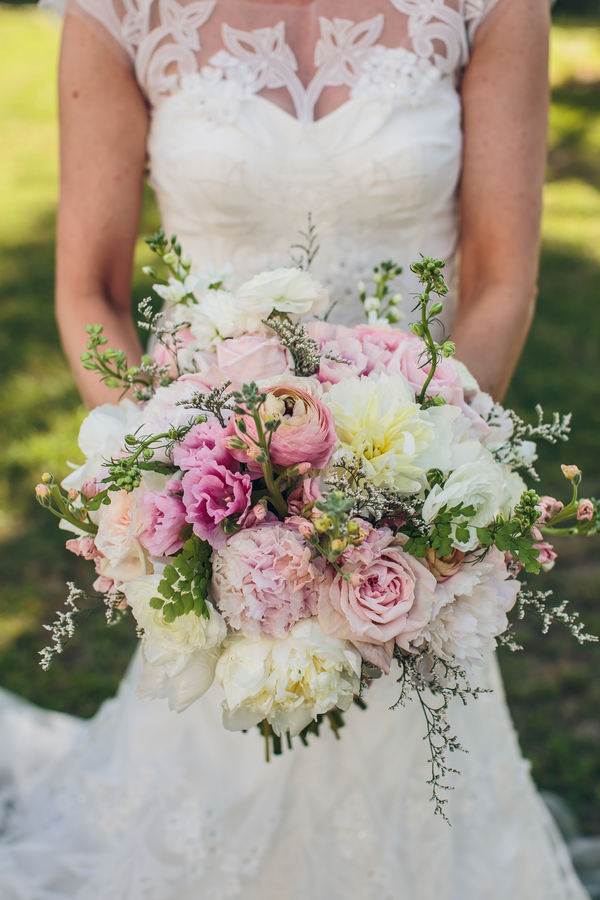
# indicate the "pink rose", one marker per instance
pixel 162 357
pixel 204 443
pixel 303 498
pixel 392 600
pixel 253 357
pixel 585 511
pixel 306 432
pixel 261 580
pixel 211 494
pixel 164 517
pixel 341 343
pixel 549 507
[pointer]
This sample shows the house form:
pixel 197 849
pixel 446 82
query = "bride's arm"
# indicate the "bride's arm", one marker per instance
pixel 103 123
pixel 505 102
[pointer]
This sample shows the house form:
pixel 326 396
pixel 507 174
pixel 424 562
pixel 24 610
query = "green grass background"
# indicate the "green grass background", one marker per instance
pixel 554 685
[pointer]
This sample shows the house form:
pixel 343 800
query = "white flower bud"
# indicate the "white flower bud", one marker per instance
pixel 372 304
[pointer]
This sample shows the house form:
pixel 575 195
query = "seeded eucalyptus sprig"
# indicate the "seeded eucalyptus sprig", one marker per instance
pixel 429 273
pixel 383 274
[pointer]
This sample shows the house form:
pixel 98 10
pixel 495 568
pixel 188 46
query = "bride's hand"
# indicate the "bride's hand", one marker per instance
pixel 103 122
pixel 505 103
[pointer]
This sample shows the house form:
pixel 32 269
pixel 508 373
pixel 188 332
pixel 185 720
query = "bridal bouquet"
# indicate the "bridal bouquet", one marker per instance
pixel 293 508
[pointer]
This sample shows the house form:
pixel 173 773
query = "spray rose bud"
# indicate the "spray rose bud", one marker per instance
pixel 47 478
pixel 338 546
pixel 73 494
pixel 306 529
pixel 585 511
pixel 42 491
pixel 322 523
pixel 89 489
pixel 303 467
pixel 572 473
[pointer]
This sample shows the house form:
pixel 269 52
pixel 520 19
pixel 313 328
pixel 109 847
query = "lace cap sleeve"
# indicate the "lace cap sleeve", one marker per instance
pixel 475 13
pixel 106 18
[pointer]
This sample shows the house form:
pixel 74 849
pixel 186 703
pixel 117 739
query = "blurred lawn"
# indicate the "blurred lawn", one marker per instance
pixel 553 687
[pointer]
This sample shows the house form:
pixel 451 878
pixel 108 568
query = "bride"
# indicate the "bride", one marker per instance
pixel 403 126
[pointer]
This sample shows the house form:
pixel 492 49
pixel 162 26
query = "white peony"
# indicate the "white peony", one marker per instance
pixel 479 484
pixel 288 682
pixel 179 658
pixel 376 418
pixel 290 291
pixel 471 611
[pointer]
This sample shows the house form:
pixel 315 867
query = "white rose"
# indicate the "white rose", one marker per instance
pixel 288 682
pixel 478 484
pixel 471 611
pixel 290 291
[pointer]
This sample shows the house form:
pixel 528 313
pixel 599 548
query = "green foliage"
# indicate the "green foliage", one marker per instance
pixel 184 587
pixel 449 525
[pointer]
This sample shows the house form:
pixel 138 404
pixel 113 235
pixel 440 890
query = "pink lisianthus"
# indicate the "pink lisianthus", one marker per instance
pixel 204 443
pixel 391 596
pixel 585 511
pixel 211 494
pixel 547 554
pixel 342 343
pixel 164 517
pixel 303 498
pixel 261 580
pixel 84 546
pixel 253 357
pixel 306 432
pixel 549 507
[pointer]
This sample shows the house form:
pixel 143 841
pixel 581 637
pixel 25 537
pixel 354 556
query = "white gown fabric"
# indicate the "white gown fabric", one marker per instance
pixel 262 112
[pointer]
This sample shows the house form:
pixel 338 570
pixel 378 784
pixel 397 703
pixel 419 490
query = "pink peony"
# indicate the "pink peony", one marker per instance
pixel 306 432
pixel 211 494
pixel 392 599
pixel 585 511
pixel 253 357
pixel 261 580
pixel 164 517
pixel 204 443
pixel 549 507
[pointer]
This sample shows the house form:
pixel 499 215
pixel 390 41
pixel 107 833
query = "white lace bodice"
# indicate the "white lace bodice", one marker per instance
pixel 263 112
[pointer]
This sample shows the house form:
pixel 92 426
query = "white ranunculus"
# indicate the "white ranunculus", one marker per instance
pixel 100 438
pixel 288 682
pixel 167 643
pixel 471 611
pixel 479 484
pixel 376 418
pixel 513 488
pixel 290 291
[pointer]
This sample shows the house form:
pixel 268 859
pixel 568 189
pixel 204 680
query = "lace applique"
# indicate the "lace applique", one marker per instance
pixel 396 74
pixel 433 20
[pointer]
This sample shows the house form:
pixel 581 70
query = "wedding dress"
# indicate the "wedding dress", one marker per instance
pixel 260 113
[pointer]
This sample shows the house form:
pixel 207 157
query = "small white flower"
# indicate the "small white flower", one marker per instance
pixel 176 290
pixel 478 483
pixel 288 682
pixel 513 488
pixel 290 291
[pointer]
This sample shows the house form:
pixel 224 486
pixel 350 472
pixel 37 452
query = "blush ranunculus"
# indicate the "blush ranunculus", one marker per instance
pixel 390 597
pixel 253 357
pixel 262 578
pixel 306 432
pixel 164 517
pixel 211 494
